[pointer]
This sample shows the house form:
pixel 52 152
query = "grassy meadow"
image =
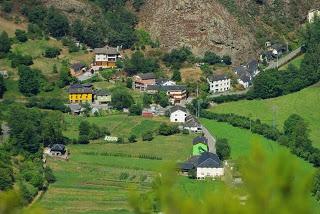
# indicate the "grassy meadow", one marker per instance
pixel 98 177
pixel 296 62
pixel 306 103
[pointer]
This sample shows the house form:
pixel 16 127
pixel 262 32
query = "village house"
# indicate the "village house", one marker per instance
pixel 77 69
pixel 312 14
pixel 178 114
pixel 165 82
pixel 200 145
pixel 192 124
pixel 219 83
pixel 57 150
pixel 176 93
pixel 106 57
pixel 81 93
pixel 4 74
pixel 102 96
pixel 75 108
pixel 141 81
pixel 206 165
pixel 246 73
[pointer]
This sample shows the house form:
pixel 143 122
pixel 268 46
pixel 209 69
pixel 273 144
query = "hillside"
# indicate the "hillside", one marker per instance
pixel 305 103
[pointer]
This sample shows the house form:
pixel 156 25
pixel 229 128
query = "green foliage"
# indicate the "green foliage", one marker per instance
pixel 166 129
pixel 21 35
pixel 121 98
pixel 49 176
pixel 2 86
pixel 135 109
pixel 5 44
pixel 107 74
pixel 18 59
pixel 51 52
pixel 226 60
pixel 65 77
pixel 29 81
pixel 316 185
pixel 57 23
pixel 6 171
pixel 143 38
pixel 223 149
pixel 176 76
pixel 138 63
pixel 146 99
pixel 137 4
pixel 7 6
pixel 177 56
pixel 132 138
pixel 161 98
pixel 211 58
pixel 147 136
pixel 129 83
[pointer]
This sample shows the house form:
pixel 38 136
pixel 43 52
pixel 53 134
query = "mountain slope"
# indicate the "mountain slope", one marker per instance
pixel 202 25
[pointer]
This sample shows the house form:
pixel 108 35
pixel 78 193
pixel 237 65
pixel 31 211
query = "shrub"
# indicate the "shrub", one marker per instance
pixel 18 59
pixel 135 109
pixel 49 176
pixel 123 176
pixel 223 149
pixel 21 35
pixel 147 136
pixel 51 52
pixel 132 138
pixel 83 139
pixel 120 140
pixel 167 130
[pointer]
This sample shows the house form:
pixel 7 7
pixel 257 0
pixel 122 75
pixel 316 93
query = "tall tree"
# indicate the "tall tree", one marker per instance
pixel 5 43
pixel 57 24
pixel 29 81
pixel 2 86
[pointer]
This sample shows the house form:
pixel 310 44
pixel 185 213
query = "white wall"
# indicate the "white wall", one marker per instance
pixel 219 86
pixel 178 116
pixel 245 84
pixel 209 172
pixel 312 15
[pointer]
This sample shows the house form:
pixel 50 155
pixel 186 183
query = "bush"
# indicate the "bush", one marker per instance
pixel 147 136
pixel 211 58
pixel 49 176
pixel 132 138
pixel 223 149
pixel 229 98
pixel 18 59
pixel 120 140
pixel 51 52
pixel 167 130
pixel 124 176
pixel 83 139
pixel 21 35
pixel 135 109
pixel 7 6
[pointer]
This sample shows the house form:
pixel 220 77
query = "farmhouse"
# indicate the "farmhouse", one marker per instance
pixel 81 93
pixel 312 14
pixel 57 150
pixel 102 96
pixel 4 74
pixel 178 114
pixel 192 124
pixel 202 166
pixel 200 145
pixel 176 93
pixel 141 81
pixel 165 82
pixel 106 57
pixel 219 83
pixel 77 69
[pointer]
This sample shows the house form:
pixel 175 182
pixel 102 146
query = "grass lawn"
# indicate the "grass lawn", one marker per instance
pixel 306 103
pixel 99 176
pixel 296 62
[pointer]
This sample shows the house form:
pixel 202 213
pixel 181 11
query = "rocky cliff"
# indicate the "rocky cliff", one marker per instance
pixel 202 25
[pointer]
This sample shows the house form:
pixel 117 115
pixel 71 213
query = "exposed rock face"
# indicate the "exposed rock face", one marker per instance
pixel 202 25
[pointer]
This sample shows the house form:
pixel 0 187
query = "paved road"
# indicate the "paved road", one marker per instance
pixel 284 60
pixel 211 140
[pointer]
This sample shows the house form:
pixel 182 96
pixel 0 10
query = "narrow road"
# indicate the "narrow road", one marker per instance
pixel 284 60
pixel 211 140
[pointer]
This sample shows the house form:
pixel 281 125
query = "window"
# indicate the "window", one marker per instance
pixel 176 120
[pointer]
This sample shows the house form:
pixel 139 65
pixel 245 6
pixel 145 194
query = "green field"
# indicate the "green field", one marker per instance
pixel 306 103
pixel 296 62
pixel 98 177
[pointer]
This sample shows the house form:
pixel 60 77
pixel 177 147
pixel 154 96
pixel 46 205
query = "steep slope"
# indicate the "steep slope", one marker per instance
pixel 202 25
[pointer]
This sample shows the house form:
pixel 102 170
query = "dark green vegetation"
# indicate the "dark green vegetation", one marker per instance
pixel 303 103
pixel 138 63
pixel 223 149
pixel 262 170
pixel 108 171
pixel 2 86
pixel 295 135
pixel 271 20
pixel 273 83
pixel 21 156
